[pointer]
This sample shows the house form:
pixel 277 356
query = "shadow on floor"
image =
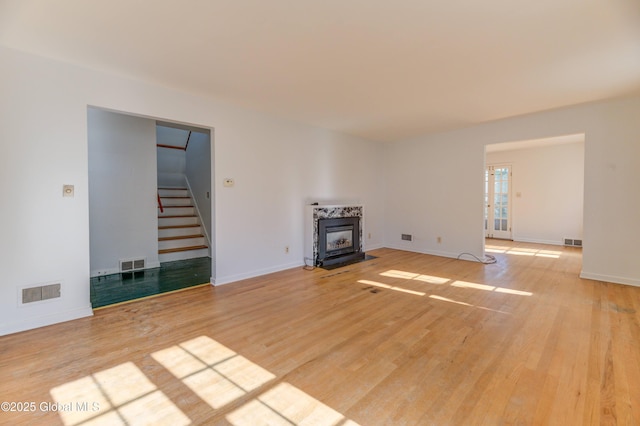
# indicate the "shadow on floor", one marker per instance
pixel 351 262
pixel 170 276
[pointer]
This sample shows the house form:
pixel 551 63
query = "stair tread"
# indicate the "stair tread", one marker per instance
pixel 181 237
pixel 172 187
pixel 176 207
pixel 178 226
pixel 175 216
pixel 177 249
pixel 171 196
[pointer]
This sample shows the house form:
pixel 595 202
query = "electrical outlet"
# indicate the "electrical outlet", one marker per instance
pixel 286 249
pixel 439 240
pixel 369 235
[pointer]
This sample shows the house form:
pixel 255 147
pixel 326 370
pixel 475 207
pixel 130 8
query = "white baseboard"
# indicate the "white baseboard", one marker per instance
pixel 44 320
pixel 434 252
pixel 538 241
pixel 239 277
pixel 101 272
pixel 610 279
pixel 368 247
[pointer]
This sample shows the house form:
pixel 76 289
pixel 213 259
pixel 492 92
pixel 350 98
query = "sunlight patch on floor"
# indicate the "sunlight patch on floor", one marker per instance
pixel 512 291
pixel 551 254
pixel 212 371
pixel 431 279
pixel 392 273
pixel 465 284
pixel 119 395
pixel 381 285
pixel 124 395
pixel 284 404
pixel 446 299
pixel 457 302
pixel 476 286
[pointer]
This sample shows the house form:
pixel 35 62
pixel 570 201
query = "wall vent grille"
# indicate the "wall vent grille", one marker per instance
pixel 570 242
pixel 126 265
pixel 43 292
pixel 406 237
pixel 132 265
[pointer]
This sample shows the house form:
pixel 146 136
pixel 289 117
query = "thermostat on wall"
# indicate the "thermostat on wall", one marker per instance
pixel 67 190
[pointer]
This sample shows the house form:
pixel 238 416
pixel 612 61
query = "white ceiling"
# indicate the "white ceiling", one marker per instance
pixel 379 69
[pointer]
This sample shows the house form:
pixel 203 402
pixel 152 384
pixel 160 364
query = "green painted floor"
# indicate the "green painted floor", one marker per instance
pixel 170 276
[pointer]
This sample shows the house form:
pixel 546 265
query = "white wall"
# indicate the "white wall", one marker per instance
pixel 437 181
pixel 434 189
pixel 123 216
pixel 277 165
pixel 550 184
pixel 198 172
pixel 45 237
pixel 433 184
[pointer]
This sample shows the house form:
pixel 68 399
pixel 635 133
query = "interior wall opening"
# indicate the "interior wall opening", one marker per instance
pixel 534 191
pixel 150 213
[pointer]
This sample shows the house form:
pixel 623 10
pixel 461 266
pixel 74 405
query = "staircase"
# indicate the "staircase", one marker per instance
pixel 180 234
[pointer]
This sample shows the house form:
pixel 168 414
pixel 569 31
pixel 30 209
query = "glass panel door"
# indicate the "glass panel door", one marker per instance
pixel 497 202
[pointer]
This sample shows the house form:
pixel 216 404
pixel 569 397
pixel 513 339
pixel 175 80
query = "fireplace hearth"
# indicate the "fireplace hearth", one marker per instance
pixel 334 235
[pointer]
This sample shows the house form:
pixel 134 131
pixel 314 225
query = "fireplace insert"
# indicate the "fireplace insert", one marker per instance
pixel 338 240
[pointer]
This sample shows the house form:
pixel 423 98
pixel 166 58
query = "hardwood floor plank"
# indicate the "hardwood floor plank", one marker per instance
pixel 405 338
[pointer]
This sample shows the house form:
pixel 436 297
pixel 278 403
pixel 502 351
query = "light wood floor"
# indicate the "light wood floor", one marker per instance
pixel 404 339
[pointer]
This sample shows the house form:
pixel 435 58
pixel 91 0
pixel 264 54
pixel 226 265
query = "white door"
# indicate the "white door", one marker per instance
pixel 497 202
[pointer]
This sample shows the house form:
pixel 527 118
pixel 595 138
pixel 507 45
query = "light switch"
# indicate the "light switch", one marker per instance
pixel 67 190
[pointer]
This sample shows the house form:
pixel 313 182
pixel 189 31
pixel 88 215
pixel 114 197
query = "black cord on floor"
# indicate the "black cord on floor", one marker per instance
pixel 488 259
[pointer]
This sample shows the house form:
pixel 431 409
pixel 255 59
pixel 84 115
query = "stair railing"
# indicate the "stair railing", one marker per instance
pixel 160 204
pixel 187 144
pixel 181 148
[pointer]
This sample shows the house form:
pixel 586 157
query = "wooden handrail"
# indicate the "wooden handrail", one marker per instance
pixel 181 148
pixel 187 144
pixel 160 145
pixel 160 204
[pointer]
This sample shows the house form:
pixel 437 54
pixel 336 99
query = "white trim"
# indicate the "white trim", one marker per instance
pixel 101 272
pixel 45 320
pixel 372 247
pixel 257 273
pixel 195 204
pixel 436 253
pixel 537 241
pixel 110 271
pixel 610 279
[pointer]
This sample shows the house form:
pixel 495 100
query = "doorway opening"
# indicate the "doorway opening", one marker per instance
pixel 534 190
pixel 126 214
